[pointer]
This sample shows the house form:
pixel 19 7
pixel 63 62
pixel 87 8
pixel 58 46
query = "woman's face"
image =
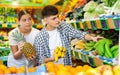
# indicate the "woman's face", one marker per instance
pixel 25 21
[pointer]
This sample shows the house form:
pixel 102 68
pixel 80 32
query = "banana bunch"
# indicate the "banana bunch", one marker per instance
pixel 104 48
pixel 115 50
pixel 78 44
pixel 59 52
pixel 89 45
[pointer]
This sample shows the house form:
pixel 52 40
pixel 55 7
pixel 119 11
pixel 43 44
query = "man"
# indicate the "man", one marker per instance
pixel 56 33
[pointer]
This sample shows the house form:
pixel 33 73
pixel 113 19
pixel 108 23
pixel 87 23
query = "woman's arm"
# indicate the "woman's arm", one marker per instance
pixel 48 60
pixel 16 53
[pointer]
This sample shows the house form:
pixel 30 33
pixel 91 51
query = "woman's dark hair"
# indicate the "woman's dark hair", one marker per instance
pixel 21 13
pixel 49 10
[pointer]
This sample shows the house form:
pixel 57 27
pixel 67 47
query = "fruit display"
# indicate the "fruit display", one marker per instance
pixel 89 45
pixel 10 11
pixel 59 52
pixel 3 35
pixel 14 70
pixel 2 10
pixel 78 44
pixel 104 48
pixel 2 19
pixel 28 50
pixel 10 19
pixel 60 69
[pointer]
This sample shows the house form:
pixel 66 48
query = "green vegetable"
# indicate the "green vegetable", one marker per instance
pixel 91 6
pixel 100 9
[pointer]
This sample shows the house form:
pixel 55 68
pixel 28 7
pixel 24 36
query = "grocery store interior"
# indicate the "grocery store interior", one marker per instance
pixel 96 17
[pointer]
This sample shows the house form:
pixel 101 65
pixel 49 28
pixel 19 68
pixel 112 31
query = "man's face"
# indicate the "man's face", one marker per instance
pixel 52 21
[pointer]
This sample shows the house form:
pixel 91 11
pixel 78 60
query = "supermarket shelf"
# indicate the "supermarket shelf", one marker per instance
pixel 3 37
pixel 94 61
pixel 16 25
pixel 100 23
pixel 4 48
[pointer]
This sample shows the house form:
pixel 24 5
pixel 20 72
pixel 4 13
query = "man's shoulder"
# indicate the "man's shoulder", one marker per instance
pixel 41 34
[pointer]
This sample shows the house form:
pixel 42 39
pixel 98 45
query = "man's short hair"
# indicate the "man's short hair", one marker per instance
pixel 49 10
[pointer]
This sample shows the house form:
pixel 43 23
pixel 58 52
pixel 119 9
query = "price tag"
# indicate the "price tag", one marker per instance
pixel 0 25
pixel 93 25
pixel 9 26
pixel 116 23
pixel 83 57
pixel 85 26
pixel 72 23
pixel 34 26
pixel 1 38
pixel 78 25
pixel 76 55
pixel 91 61
pixel 104 24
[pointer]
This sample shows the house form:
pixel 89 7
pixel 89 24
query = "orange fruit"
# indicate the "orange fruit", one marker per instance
pixel 22 68
pixel 3 67
pixel 7 71
pixel 1 72
pixel 19 71
pixel 13 69
pixel 32 69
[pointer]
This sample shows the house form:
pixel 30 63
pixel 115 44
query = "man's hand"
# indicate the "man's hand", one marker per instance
pixel 95 39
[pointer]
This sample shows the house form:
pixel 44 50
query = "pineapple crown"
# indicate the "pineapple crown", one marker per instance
pixel 18 36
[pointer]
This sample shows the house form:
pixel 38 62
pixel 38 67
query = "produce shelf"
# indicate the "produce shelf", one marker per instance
pixel 104 23
pixel 93 60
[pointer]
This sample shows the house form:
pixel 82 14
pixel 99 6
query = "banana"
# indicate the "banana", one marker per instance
pixel 115 53
pixel 100 46
pixel 61 48
pixel 99 42
pixel 63 54
pixel 59 54
pixel 64 49
pixel 107 48
pixel 57 49
pixel 79 47
pixel 90 43
pixel 56 57
pixel 114 47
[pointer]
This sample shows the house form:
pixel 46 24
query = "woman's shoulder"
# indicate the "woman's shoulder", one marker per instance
pixel 13 30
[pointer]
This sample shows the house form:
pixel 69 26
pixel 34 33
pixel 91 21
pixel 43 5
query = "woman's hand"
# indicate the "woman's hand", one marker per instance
pixel 33 57
pixel 20 45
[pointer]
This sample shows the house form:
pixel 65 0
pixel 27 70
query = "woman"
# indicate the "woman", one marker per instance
pixel 16 57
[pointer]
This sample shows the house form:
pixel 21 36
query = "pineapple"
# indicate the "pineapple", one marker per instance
pixel 28 50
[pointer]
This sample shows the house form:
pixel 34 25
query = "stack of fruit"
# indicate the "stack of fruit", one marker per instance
pixel 11 19
pixel 10 15
pixel 59 52
pixel 60 69
pixel 78 44
pixel 2 18
pixel 105 48
pixel 14 70
pixel 2 10
pixel 89 45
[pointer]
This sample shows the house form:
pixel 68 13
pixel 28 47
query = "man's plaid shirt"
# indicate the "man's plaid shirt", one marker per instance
pixel 67 32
